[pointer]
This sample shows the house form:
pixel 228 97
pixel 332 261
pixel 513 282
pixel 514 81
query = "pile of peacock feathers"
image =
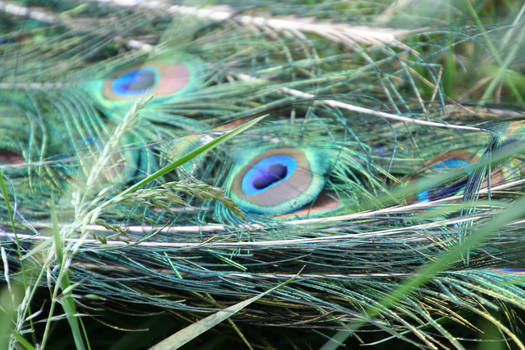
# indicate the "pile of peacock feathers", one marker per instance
pixel 158 155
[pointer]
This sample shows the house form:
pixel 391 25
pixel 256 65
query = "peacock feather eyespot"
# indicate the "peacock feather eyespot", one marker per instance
pixel 10 157
pixel 267 173
pixel 448 160
pixel 278 180
pixel 325 202
pixel 152 78
pixel 166 78
pixel 132 83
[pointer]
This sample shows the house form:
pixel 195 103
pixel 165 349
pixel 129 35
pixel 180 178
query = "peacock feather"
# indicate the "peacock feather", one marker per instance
pixel 306 165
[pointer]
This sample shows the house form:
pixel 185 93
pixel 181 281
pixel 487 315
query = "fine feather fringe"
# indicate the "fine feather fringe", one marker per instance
pixel 362 104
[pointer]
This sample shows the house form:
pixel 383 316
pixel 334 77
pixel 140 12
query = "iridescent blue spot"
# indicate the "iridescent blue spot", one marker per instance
pixel 438 192
pixel 135 82
pixel 267 173
pixel 450 163
pixel 380 150
pixel 7 41
pixel 423 197
pixel 512 270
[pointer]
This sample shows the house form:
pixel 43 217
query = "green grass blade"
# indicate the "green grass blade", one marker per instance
pixel 7 203
pixel 18 249
pixel 191 332
pixel 426 272
pixel 23 341
pixel 6 317
pixel 68 304
pixel 193 154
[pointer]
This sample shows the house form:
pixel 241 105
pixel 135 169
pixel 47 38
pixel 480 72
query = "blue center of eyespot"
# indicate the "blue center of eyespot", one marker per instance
pixel 438 192
pixel 268 172
pixel 135 82
pixel 512 270
pixel 450 163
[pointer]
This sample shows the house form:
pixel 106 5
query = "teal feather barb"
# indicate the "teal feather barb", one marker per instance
pixel 363 170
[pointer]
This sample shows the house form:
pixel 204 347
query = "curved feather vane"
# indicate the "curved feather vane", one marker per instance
pixel 372 196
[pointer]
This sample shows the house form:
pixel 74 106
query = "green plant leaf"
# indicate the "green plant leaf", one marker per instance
pixel 191 332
